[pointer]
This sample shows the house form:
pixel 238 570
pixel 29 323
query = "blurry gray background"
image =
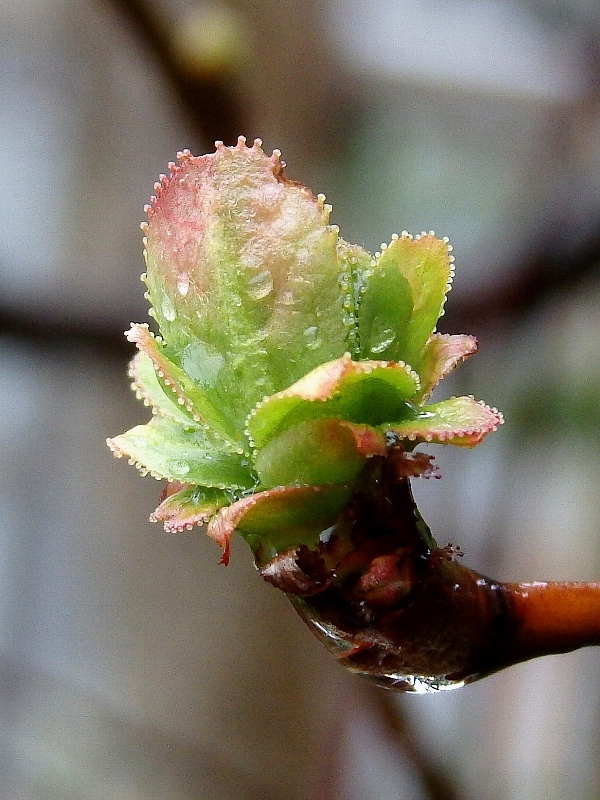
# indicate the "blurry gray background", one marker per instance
pixel 132 665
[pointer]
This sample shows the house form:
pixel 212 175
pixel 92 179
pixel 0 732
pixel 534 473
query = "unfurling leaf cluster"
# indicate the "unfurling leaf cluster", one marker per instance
pixel 287 358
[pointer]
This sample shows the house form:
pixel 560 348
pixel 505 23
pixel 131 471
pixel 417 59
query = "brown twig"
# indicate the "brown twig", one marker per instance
pixel 210 101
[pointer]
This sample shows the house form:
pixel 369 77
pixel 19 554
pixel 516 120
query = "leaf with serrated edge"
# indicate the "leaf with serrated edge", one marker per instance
pixel 148 388
pixel 367 392
pixel 404 297
pixel 462 421
pixel 443 353
pixel 243 261
pixel 187 506
pixel 189 395
pixel 318 452
pixel 167 450
pixel 279 518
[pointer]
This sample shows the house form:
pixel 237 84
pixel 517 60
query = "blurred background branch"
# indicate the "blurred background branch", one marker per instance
pixel 201 71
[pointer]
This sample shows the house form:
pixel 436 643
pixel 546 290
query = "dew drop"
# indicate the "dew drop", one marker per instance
pixel 287 298
pixel 202 363
pixel 167 309
pixel 183 283
pixel 179 467
pixel 260 285
pixel 381 340
pixel 311 336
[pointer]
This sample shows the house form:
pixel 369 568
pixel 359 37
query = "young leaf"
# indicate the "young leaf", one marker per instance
pixel 461 421
pixel 364 392
pixel 188 393
pixel 184 506
pixel 165 449
pixel 277 519
pixel 443 353
pixel 318 452
pixel 243 272
pixel 356 264
pixel 148 388
pixel 404 297
pixel 263 374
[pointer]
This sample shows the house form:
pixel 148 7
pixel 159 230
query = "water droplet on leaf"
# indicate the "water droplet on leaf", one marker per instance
pixel 179 467
pixel 381 339
pixel 167 309
pixel 311 336
pixel 287 298
pixel 183 284
pixel 260 285
pixel 202 363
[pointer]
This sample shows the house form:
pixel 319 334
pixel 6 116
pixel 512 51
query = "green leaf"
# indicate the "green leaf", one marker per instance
pixel 364 392
pixel 384 313
pixel 243 275
pixel 404 297
pixel 188 394
pixel 148 388
pixel 356 264
pixel 184 506
pixel 318 452
pixel 462 421
pixel 277 519
pixel 165 449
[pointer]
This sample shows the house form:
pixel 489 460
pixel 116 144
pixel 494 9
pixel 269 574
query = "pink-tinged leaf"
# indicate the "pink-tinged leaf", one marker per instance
pixel 184 506
pixel 364 392
pixel 318 452
pixel 280 518
pixel 404 297
pixel 186 392
pixel 443 352
pixel 243 266
pixel 462 421
pixel 369 441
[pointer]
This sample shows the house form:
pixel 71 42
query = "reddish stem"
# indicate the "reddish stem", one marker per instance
pixel 554 617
